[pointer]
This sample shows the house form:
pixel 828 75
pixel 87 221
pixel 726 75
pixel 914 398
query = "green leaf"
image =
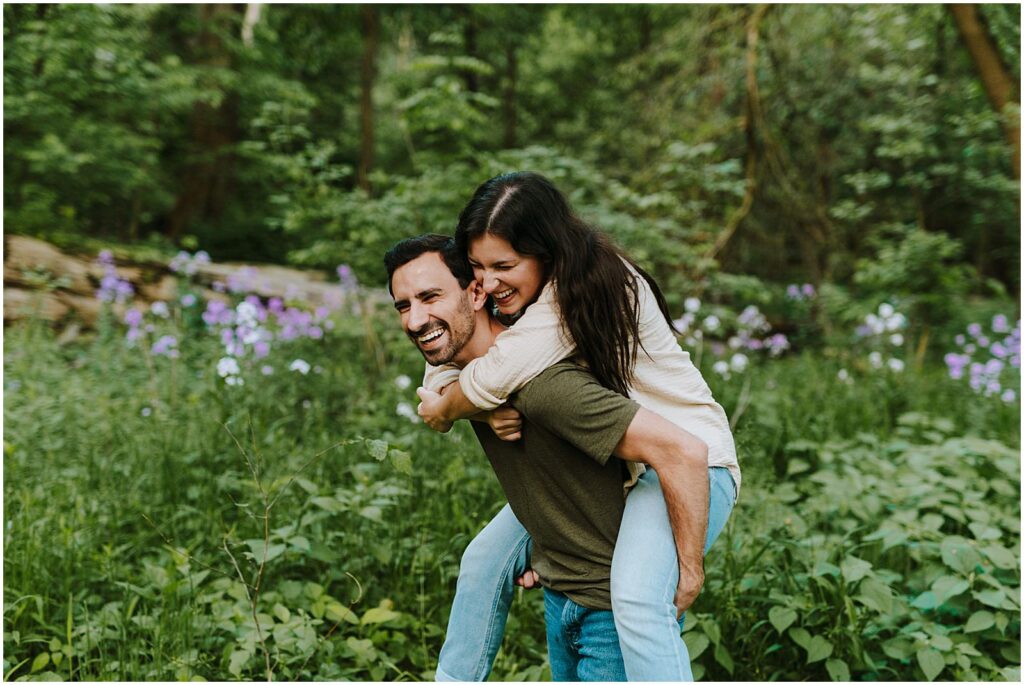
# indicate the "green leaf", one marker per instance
pixel 274 551
pixel 801 637
pixel 723 658
pixel 854 569
pixel 712 630
pixel 373 513
pixel 823 568
pixel 946 587
pixel 236 662
pixel 41 661
pixel 1000 557
pixel 837 670
pixel 979 621
pixel 379 615
pixel 875 595
pixel 282 613
pixel 696 643
pixel 336 611
pixel 818 649
pixel 402 461
pixel 362 648
pixel 959 555
pixel 992 598
pixel 781 618
pixel 378 449
pixel 300 542
pixel 925 601
pixel 931 663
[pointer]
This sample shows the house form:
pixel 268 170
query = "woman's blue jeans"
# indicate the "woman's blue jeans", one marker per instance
pixel 645 573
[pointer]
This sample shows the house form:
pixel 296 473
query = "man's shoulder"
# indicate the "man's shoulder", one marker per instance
pixel 561 389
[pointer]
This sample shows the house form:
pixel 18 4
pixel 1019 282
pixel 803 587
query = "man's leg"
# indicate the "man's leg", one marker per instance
pixel 645 573
pixel 600 657
pixel 560 623
pixel 498 555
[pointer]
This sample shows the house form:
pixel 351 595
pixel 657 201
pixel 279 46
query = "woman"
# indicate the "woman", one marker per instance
pixel 566 290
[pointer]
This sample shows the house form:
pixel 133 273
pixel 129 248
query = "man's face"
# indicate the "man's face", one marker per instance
pixel 437 314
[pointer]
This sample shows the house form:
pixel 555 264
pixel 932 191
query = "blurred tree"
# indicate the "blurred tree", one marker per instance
pixel 1000 86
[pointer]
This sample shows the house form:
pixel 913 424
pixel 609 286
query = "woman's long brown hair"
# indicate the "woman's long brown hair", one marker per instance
pixel 597 294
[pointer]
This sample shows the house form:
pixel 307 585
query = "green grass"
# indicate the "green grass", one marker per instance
pixel 877 534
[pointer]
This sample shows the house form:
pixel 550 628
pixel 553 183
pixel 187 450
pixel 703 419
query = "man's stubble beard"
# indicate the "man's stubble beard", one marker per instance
pixel 460 330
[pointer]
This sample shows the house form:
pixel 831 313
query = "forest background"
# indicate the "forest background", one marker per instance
pixel 822 164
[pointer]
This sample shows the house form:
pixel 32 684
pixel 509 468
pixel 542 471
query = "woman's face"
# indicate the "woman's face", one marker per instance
pixel 513 280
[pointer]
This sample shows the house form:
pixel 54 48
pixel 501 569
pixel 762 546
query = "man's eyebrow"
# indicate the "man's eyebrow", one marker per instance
pixel 428 292
pixel 401 303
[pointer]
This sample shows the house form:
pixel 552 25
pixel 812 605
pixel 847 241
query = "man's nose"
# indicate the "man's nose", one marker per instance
pixel 418 317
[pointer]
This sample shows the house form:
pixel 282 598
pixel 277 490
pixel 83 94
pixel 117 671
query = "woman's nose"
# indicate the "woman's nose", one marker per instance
pixel 489 282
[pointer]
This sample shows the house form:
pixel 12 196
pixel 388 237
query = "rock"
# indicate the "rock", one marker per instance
pixel 66 283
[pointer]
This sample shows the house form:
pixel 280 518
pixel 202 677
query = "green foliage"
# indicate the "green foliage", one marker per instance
pixel 869 117
pixel 920 268
pixel 137 487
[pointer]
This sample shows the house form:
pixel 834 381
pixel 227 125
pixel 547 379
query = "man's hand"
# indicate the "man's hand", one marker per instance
pixel 506 422
pixel 529 579
pixel 430 410
pixel 691 580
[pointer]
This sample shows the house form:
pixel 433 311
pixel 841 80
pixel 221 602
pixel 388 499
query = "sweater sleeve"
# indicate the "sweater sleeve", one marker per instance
pixel 535 342
pixel 437 377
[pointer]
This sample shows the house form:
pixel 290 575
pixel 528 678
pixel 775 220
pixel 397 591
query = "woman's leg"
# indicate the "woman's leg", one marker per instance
pixel 645 572
pixel 498 555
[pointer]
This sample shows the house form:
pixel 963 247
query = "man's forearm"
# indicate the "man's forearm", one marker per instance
pixel 684 483
pixel 681 462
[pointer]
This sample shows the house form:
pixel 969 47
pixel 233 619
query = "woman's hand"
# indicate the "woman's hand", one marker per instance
pixel 506 422
pixel 431 410
pixel 529 579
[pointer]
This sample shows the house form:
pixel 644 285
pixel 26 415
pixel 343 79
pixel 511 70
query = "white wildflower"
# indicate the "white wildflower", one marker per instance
pixel 403 382
pixel 691 304
pixel 227 366
pixel 299 365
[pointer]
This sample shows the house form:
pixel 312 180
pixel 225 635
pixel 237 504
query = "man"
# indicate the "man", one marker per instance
pixel 560 478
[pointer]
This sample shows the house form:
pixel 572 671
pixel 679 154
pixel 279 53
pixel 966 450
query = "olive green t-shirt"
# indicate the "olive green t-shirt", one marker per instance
pixel 562 481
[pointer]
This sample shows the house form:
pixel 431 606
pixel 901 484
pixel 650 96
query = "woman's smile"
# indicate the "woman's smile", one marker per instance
pixel 513 280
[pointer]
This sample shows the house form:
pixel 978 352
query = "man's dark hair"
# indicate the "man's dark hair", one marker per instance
pixel 405 251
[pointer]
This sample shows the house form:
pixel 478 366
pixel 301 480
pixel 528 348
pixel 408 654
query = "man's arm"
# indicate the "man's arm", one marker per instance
pixel 681 461
pixel 505 421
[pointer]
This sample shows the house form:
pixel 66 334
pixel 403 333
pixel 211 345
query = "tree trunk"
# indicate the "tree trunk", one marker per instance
pixel 207 177
pixel 368 73
pixel 253 12
pixel 751 119
pixel 999 84
pixel 509 99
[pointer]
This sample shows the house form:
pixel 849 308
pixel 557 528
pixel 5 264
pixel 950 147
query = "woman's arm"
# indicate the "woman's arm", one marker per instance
pixel 518 355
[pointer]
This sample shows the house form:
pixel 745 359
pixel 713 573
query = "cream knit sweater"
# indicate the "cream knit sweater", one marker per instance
pixel 665 381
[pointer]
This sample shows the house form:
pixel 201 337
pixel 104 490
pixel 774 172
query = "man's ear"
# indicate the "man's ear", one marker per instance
pixel 476 295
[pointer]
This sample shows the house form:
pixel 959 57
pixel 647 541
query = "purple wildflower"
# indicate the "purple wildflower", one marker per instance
pixel 808 290
pixel 166 346
pixel 133 317
pixel 974 329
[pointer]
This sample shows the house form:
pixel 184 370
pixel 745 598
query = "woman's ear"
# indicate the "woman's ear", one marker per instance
pixel 477 295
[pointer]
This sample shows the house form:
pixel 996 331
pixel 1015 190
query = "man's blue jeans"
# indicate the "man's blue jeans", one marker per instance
pixel 645 573
pixel 582 642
